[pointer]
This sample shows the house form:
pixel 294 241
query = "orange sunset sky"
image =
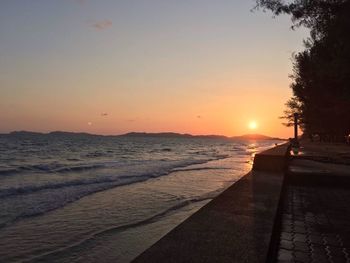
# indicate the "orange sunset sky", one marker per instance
pixel 110 67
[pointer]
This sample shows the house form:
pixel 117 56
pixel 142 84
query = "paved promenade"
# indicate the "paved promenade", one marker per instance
pixel 315 225
pixel 316 207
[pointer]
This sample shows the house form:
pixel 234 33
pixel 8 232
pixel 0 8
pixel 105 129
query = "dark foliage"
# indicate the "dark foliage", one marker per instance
pixel 321 73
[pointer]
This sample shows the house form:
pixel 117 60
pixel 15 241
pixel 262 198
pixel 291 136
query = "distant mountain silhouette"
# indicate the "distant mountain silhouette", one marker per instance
pixel 62 133
pixel 54 133
pixel 172 135
pixel 255 137
pixel 25 133
pixel 180 135
pixel 145 134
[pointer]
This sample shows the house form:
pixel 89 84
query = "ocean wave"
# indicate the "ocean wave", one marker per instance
pixel 56 167
pixel 200 169
pixel 31 189
pixel 112 230
pixel 97 154
pixel 49 177
pixel 9 171
pixel 41 199
pixel 132 177
pixel 51 168
pixel 78 168
pixel 166 150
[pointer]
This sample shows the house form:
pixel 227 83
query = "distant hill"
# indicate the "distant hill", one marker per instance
pixel 172 135
pixel 254 137
pixel 25 133
pixel 180 135
pixel 145 134
pixel 62 133
pixel 54 133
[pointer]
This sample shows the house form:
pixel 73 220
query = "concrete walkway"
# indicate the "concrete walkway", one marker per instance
pixel 316 206
pixel 315 225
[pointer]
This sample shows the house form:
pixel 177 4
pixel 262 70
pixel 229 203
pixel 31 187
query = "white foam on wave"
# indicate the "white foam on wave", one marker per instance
pixel 36 199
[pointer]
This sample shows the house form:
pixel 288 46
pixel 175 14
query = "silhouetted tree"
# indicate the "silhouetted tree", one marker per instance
pixel 321 73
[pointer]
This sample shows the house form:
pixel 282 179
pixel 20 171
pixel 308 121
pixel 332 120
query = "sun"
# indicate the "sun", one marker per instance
pixel 253 125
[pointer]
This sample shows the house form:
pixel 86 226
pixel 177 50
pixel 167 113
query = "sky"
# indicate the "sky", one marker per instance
pixel 115 66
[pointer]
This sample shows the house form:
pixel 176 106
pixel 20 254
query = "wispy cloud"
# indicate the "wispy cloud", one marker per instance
pixel 102 25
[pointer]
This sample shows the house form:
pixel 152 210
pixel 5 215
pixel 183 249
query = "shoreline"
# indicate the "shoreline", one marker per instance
pixel 298 213
pixel 109 244
pixel 236 226
pixel 182 192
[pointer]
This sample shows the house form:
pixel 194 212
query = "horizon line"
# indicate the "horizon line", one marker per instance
pixel 140 132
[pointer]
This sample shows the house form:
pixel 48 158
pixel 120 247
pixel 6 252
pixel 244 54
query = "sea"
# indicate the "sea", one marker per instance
pixel 81 198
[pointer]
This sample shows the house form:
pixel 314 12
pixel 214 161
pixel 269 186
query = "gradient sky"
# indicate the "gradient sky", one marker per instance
pixel 113 66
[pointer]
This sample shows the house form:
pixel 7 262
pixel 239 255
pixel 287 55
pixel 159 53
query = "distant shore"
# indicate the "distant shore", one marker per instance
pixel 146 134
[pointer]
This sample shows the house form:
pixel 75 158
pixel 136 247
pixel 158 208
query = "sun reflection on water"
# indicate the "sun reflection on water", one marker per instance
pixel 252 149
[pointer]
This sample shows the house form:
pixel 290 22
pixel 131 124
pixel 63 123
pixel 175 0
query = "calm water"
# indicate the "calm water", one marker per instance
pixel 71 198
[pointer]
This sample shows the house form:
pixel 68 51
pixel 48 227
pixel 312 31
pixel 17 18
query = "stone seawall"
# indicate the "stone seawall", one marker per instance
pixel 236 226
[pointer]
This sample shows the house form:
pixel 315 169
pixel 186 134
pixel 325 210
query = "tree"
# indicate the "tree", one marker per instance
pixel 321 73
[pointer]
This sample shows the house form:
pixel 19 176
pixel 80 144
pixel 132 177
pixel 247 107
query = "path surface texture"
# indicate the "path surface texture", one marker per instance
pixel 316 206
